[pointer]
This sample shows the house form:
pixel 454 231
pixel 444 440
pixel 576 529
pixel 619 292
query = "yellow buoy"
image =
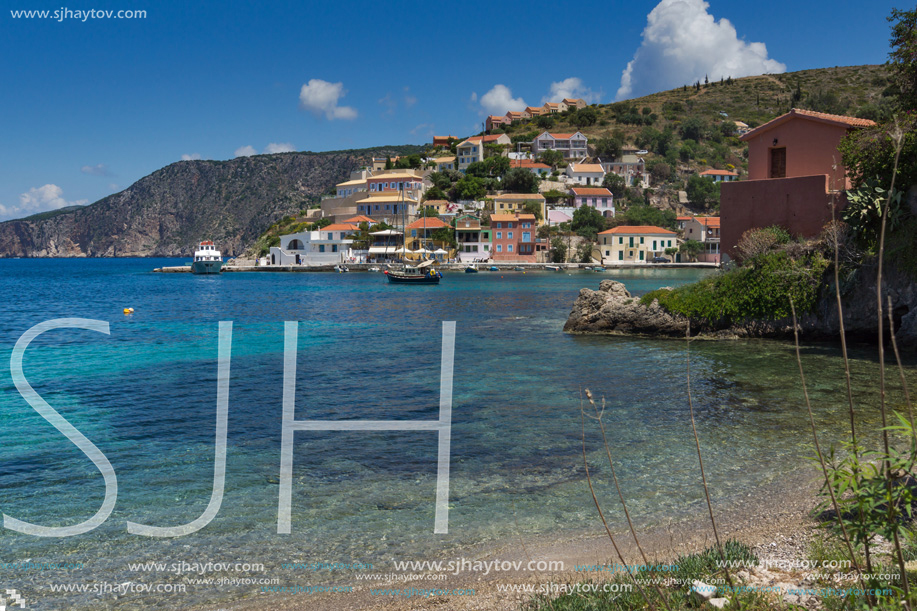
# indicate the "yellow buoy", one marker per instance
pixel 128 310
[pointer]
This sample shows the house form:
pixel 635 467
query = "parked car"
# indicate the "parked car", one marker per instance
pixel 661 260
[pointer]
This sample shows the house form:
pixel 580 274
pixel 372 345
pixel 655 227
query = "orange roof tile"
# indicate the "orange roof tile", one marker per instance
pixel 587 167
pixel 591 191
pixel 340 227
pixel 718 173
pixel 638 229
pixel 360 219
pixel 511 217
pixel 708 221
pixel 852 121
pixel 528 163
pixel 522 196
pixel 561 136
pixel 809 114
pixel 430 222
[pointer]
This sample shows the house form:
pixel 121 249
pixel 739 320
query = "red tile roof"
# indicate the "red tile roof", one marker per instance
pixel 708 221
pixel 430 222
pixel 511 217
pixel 561 136
pixel 841 120
pixel 591 191
pixel 638 229
pixel 528 163
pixel 852 121
pixel 360 219
pixel 718 173
pixel 340 227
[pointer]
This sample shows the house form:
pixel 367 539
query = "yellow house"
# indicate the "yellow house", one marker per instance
pixel 508 203
pixel 635 244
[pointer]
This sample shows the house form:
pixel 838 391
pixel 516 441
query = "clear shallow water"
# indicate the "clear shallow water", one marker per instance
pixel 367 350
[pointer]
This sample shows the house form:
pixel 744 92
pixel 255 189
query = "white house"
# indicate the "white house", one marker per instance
pixel 326 246
pixel 586 173
pixel 573 146
pixel 720 175
pixel 473 240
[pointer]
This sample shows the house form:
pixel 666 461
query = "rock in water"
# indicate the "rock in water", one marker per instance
pixel 613 310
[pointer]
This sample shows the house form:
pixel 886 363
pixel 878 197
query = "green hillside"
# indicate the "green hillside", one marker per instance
pixel 691 128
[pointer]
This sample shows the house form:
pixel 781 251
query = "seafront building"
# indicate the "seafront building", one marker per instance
pixel 513 237
pixel 706 230
pixel 326 246
pixel 473 239
pixel 635 244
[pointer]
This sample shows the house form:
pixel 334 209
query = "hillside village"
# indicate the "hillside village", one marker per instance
pixel 525 191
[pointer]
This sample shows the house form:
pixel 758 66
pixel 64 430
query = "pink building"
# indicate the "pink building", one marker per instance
pixel 794 176
pixel 599 198
pixel 513 237
pixel 494 121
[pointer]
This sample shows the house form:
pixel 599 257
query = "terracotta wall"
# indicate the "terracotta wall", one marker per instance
pixel 799 205
pixel 811 148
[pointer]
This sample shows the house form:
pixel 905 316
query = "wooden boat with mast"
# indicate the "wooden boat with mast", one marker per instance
pixel 423 272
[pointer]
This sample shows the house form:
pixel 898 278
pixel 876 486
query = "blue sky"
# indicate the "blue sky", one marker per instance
pixel 91 106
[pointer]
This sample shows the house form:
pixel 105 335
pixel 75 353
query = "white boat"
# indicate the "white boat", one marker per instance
pixel 207 259
pixel 341 269
pixel 552 268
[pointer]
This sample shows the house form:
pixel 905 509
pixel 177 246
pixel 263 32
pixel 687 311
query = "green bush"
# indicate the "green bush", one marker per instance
pixel 760 289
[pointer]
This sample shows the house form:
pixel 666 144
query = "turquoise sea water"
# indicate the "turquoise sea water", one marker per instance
pixel 146 394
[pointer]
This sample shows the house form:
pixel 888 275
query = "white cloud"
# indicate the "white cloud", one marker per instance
pixel 409 98
pixel 499 100
pixel 245 151
pixel 96 170
pixel 683 43
pixel 571 88
pixel 191 157
pixel 474 96
pixel 424 129
pixel 39 199
pixel 279 147
pixel 114 186
pixel 321 97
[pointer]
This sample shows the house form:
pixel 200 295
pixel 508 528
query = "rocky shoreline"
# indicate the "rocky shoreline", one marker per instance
pixel 613 310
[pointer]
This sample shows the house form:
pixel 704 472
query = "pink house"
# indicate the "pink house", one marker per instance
pixel 513 237
pixel 599 198
pixel 494 121
pixel 795 175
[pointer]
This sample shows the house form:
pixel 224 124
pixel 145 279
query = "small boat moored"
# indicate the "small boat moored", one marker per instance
pixel 494 268
pixel 471 269
pixel 207 259
pixel 552 268
pixel 421 273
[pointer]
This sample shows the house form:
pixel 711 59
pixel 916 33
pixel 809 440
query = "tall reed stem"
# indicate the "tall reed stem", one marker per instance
pixel 700 459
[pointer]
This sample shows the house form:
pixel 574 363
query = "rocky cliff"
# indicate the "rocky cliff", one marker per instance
pixel 168 212
pixel 612 310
